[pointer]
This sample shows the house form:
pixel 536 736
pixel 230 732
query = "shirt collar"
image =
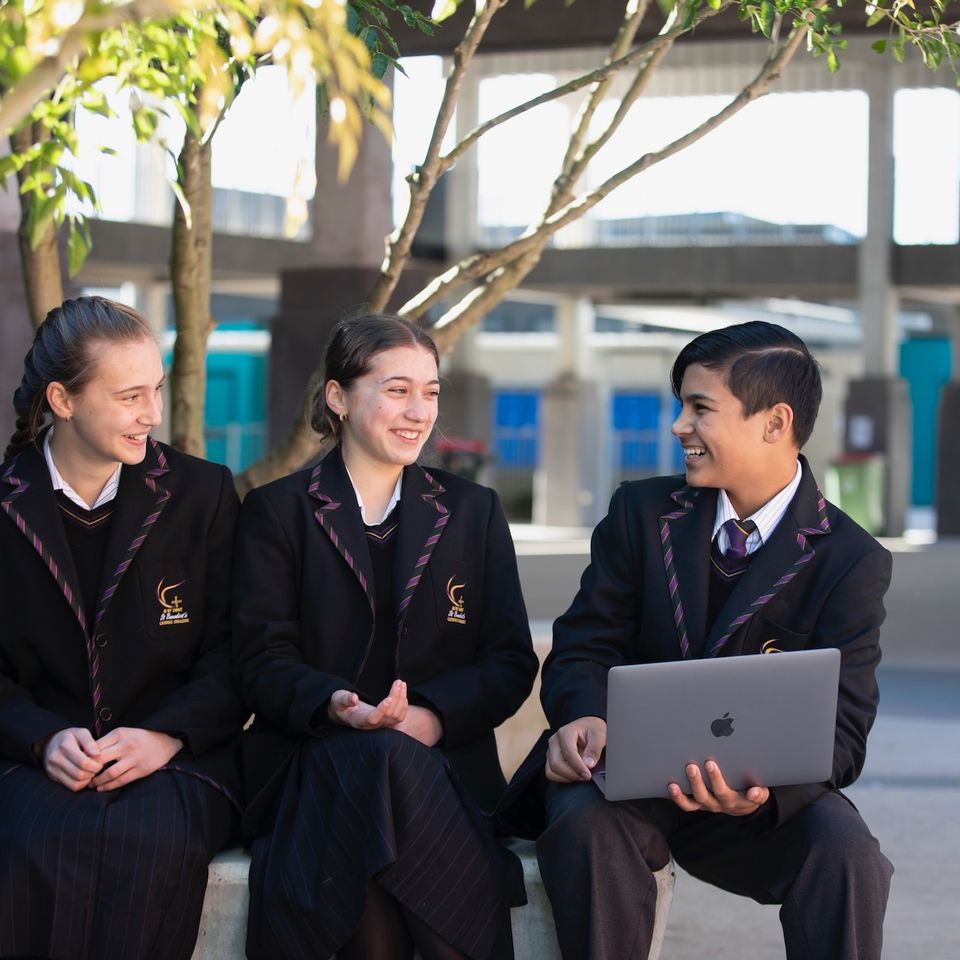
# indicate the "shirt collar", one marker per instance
pixel 766 518
pixel 107 494
pixel 394 500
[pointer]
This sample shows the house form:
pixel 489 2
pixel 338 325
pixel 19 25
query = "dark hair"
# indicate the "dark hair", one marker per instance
pixel 60 352
pixel 353 344
pixel 763 364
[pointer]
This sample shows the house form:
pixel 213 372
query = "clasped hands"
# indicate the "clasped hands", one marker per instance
pixel 76 759
pixel 393 711
pixel 575 749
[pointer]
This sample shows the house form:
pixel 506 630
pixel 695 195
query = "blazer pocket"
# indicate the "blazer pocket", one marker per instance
pixel 172 595
pixel 771 637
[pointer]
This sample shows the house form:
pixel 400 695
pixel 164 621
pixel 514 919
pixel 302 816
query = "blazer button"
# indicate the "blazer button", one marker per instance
pixel 100 640
pixel 105 714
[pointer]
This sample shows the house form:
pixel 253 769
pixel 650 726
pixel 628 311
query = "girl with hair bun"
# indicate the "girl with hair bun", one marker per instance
pixel 380 637
pixel 118 712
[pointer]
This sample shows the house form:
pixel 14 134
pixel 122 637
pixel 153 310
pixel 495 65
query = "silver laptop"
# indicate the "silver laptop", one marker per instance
pixel 765 719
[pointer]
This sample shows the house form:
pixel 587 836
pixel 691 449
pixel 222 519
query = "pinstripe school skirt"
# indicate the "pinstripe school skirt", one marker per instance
pixel 106 876
pixel 374 804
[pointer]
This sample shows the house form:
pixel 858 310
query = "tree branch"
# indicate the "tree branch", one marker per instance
pixel 481 264
pixel 576 167
pixel 572 86
pixel 621 44
pixel 400 243
pixel 651 54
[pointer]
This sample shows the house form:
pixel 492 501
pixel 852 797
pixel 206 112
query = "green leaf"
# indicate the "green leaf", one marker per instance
pixel 378 65
pixel 41 216
pixel 767 15
pixel 78 249
pixel 876 17
pixel 879 45
pixel 833 61
pixel 8 165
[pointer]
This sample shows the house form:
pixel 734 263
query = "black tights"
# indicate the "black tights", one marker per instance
pixel 388 931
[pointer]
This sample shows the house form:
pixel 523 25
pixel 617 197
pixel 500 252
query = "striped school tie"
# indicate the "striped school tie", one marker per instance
pixel 738 531
pixel 732 563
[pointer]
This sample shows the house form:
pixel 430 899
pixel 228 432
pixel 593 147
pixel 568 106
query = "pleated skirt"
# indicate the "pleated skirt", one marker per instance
pixel 358 805
pixel 106 876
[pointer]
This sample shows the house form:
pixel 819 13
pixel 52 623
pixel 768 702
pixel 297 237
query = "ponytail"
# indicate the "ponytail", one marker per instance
pixel 60 353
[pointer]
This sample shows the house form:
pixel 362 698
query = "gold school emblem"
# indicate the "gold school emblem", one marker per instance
pixel 456 614
pixel 769 647
pixel 172 611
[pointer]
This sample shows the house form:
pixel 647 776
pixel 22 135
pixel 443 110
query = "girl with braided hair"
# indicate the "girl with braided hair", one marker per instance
pixel 118 712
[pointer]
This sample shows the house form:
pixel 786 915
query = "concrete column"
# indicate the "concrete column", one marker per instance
pixel 461 183
pixel 572 484
pixel 352 219
pixel 878 406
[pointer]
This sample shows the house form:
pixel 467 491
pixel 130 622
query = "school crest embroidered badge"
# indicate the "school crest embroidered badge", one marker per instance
pixel 172 610
pixel 456 613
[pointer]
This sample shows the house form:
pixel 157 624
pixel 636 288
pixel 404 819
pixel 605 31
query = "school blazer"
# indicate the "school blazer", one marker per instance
pixel 304 617
pixel 818 582
pixel 157 655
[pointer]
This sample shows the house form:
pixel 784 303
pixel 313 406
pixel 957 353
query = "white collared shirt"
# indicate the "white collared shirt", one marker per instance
pixel 766 518
pixel 107 494
pixel 394 500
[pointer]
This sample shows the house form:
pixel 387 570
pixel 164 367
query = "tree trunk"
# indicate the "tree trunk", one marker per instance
pixel 40 265
pixel 301 445
pixel 191 271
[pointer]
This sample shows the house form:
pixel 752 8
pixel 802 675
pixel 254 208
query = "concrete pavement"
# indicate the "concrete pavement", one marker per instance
pixel 909 792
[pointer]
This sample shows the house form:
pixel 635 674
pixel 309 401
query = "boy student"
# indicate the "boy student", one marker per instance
pixel 671 576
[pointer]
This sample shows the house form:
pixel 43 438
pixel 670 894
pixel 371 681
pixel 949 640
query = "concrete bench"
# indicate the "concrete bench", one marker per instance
pixel 224 923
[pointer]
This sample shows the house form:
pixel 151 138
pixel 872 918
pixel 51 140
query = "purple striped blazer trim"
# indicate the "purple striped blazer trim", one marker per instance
pixel 329 505
pixel 205 779
pixel 93 651
pixel 19 487
pixel 442 519
pixel 673 583
pixel 807 554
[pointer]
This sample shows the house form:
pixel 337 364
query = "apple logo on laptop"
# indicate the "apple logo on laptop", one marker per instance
pixel 722 726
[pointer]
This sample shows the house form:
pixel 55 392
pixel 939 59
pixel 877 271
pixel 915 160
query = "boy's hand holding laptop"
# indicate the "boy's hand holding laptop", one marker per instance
pixel 575 749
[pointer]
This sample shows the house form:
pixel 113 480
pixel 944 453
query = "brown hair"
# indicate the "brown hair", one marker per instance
pixel 353 345
pixel 60 353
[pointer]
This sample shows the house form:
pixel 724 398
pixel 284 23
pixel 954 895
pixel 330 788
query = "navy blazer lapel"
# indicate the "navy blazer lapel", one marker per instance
pixel 339 516
pixel 141 498
pixel 26 496
pixel 423 518
pixel 791 546
pixel 685 542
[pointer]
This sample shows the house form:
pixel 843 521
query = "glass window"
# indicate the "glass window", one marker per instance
pixel 517 316
pixel 926 147
pixel 740 182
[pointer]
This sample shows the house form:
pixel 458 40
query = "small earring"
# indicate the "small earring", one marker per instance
pixel 69 419
pixel 343 418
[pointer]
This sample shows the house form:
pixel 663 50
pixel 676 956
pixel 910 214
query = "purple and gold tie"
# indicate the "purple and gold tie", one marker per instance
pixel 738 531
